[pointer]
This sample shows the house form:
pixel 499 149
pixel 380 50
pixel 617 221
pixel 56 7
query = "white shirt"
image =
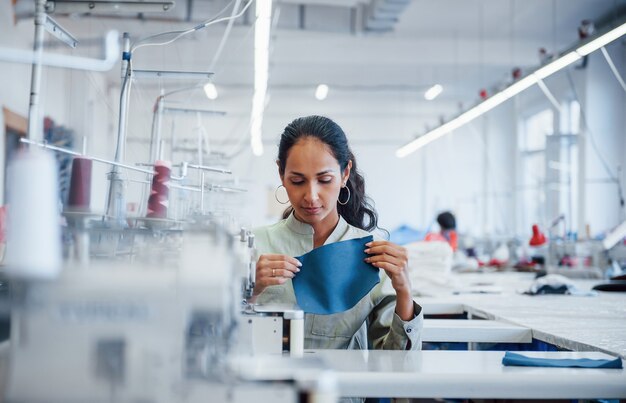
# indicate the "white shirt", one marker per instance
pixel 371 323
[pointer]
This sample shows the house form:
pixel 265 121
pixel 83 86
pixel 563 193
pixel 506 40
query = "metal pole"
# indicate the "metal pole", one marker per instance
pixel 126 84
pixel 116 203
pixel 157 141
pixel 154 152
pixel 89 157
pixel 34 120
pixel 161 147
pixel 172 141
pixel 155 137
pixel 202 192
pixel 613 68
pixel 199 131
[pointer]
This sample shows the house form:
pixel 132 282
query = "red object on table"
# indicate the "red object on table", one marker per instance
pixel 538 238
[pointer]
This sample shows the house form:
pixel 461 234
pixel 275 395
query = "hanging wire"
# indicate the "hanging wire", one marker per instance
pixel 179 34
pixel 220 47
pixel 616 73
pixel 512 31
pixel 481 24
pixel 242 144
pixel 127 95
pixel 594 145
pixel 201 84
pixel 102 97
pixel 493 177
pixel 554 45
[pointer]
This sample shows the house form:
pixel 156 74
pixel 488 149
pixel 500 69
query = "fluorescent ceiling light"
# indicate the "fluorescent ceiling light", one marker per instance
pixel 321 92
pixel 433 92
pixel 86 6
pixel 261 66
pixel 210 90
pixel 557 65
pixel 519 85
pixel 542 72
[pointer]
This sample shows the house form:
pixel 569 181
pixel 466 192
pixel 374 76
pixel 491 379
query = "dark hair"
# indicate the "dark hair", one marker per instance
pixel 359 211
pixel 446 220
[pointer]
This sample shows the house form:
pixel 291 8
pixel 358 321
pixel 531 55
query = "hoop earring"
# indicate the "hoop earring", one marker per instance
pixel 276 195
pixel 347 200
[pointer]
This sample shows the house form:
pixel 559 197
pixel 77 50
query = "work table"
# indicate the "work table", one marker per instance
pixel 577 323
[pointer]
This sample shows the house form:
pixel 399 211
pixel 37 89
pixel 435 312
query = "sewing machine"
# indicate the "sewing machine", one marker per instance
pixel 265 329
pixel 121 332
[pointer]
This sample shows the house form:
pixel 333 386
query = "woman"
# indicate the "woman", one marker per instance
pixel 328 204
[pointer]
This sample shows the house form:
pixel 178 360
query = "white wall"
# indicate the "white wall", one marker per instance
pixel 605 107
pixel 471 171
pixel 13 95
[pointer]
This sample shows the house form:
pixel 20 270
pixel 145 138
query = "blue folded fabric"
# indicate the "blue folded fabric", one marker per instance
pixel 513 359
pixel 405 234
pixel 334 277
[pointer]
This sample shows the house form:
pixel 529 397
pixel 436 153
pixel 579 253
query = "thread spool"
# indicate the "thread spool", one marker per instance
pixel 159 194
pixel 296 332
pixel 296 337
pixel 33 232
pixel 80 184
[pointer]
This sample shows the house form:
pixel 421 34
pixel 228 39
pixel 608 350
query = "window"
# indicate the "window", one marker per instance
pixel 567 164
pixel 532 146
pixel 570 117
pixel 549 170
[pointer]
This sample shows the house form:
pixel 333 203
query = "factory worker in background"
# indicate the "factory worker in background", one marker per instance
pixel 447 231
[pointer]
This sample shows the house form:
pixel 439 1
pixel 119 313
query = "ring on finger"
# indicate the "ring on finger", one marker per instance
pixel 273 272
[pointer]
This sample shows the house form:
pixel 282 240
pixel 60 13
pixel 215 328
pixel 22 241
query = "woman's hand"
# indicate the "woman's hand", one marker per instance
pixel 274 270
pixel 394 260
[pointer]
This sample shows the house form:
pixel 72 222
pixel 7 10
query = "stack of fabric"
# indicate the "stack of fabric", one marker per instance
pixel 429 263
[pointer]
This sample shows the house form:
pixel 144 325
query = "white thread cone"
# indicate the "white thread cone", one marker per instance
pixel 33 228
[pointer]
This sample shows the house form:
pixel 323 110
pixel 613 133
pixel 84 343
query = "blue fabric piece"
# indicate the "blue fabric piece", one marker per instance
pixel 513 359
pixel 334 277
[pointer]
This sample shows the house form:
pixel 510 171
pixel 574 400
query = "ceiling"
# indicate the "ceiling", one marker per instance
pixel 465 45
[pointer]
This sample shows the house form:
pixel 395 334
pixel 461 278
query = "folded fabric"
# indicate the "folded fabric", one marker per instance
pixel 334 277
pixel 557 284
pixel 513 359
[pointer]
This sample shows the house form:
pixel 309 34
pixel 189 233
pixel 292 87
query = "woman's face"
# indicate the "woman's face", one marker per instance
pixel 313 180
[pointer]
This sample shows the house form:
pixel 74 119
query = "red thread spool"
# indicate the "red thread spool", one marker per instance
pixel 538 238
pixel 80 184
pixel 159 195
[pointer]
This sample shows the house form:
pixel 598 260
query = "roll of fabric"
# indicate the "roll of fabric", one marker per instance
pixel 33 228
pixel 159 195
pixel 80 184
